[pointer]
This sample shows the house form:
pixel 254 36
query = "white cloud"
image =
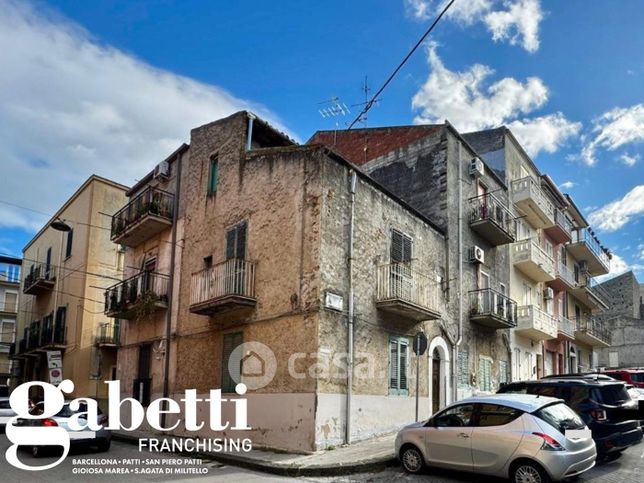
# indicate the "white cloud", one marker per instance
pixel 70 107
pixel 614 129
pixel 629 160
pixel 619 266
pixel 471 102
pixel 467 100
pixel 519 24
pixel 516 22
pixel 547 133
pixel 567 185
pixel 616 214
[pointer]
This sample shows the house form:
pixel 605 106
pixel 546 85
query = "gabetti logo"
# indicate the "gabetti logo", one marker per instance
pixel 54 401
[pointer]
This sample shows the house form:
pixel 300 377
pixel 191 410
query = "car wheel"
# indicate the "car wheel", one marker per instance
pixel 528 472
pixel 36 451
pixel 412 459
pixel 104 444
pixel 612 456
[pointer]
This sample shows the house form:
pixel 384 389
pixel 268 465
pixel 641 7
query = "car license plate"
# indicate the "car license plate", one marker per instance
pixel 82 435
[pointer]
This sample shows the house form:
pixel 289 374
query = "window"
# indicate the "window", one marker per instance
pixel 10 302
pixel 527 294
pixel 398 366
pixel 207 261
pixel 463 371
pixel 503 372
pixel 401 246
pixel 495 415
pixel 9 272
pixel 143 383
pixel 7 334
pixel 485 373
pixel 70 241
pixel 236 242
pixel 231 369
pixel 48 263
pixel 457 416
pixel 213 177
pixel 560 417
pixel 484 280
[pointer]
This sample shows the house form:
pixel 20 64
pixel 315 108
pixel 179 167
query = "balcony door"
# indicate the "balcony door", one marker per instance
pixel 235 269
pixel 484 295
pixel 401 281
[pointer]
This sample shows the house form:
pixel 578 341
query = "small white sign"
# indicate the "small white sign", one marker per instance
pixel 82 434
pixel 578 433
pixel 334 301
pixel 54 359
pixel 55 376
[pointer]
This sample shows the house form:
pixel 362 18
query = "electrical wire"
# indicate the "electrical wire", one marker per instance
pixel 371 102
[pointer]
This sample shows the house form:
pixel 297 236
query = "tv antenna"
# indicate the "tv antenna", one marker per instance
pixel 334 107
pixel 364 114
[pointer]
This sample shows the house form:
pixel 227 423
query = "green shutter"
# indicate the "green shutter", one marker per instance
pixel 214 175
pixel 463 369
pixel 485 373
pixel 398 362
pixel 229 379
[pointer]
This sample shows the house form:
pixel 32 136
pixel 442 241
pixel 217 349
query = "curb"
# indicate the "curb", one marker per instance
pixel 282 470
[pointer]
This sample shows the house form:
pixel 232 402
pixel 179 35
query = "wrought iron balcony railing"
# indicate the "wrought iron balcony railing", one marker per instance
pixel 223 286
pixel 148 212
pixel 138 295
pixel 488 304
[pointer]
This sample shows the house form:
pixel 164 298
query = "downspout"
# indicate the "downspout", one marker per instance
pixel 249 134
pixel 168 315
pixel 459 337
pixel 352 191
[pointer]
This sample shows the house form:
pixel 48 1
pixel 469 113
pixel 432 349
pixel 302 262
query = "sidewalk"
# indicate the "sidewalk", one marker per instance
pixel 371 455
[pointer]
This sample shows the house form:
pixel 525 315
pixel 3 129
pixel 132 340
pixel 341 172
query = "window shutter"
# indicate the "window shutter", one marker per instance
pixel 406 249
pixel 214 175
pixel 463 372
pixel 403 365
pixel 231 341
pixel 241 241
pixel 230 244
pixel 396 247
pixel 68 248
pixel 393 364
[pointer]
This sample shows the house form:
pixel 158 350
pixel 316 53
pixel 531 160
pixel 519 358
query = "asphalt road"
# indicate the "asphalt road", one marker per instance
pixel 81 466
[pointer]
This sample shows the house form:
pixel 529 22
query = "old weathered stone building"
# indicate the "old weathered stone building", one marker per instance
pixel 271 242
pixel 625 321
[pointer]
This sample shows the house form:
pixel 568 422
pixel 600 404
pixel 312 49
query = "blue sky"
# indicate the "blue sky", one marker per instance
pixel 111 87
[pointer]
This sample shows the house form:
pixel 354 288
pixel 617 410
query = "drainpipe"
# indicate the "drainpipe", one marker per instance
pixel 168 315
pixel 459 337
pixel 352 191
pixel 249 135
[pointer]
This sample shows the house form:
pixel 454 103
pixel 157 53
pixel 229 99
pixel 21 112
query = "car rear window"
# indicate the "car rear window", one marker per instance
pixel 613 394
pixel 637 376
pixel 560 417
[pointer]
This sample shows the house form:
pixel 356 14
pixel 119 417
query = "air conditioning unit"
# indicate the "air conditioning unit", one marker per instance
pixel 477 254
pixel 476 167
pixel 548 294
pixel 162 170
pixel 583 266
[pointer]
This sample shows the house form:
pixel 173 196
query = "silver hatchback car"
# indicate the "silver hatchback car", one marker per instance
pixel 517 436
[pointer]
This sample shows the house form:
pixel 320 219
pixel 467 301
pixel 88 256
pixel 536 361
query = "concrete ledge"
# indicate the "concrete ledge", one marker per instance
pixel 371 455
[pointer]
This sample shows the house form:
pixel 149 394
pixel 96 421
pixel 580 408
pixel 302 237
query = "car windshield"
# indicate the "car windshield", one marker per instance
pixel 560 417
pixel 613 394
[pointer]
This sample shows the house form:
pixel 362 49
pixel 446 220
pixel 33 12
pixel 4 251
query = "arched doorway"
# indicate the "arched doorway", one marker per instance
pixel 439 374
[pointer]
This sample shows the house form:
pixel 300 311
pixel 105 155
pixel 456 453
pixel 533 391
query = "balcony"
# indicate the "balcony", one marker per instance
pixel 564 278
pixel 534 323
pixel 40 279
pixel 533 203
pixel 53 335
pixel 108 336
pixel 407 293
pixel 491 219
pixel 590 294
pixel 592 332
pixel 146 215
pixel 561 231
pixel 138 296
pixel 533 261
pixel 225 287
pixel 565 328
pixel 492 309
pixel 585 247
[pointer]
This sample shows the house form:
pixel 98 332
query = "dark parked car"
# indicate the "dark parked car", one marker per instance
pixel 598 402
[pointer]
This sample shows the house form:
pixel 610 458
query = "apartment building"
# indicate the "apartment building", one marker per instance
pixel 554 260
pixel 295 255
pixel 435 170
pixel 9 287
pixel 66 266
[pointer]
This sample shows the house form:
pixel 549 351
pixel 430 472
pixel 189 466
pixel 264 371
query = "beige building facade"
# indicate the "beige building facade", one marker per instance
pixel 61 292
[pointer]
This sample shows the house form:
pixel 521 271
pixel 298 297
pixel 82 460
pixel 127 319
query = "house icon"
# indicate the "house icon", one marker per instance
pixel 253 365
